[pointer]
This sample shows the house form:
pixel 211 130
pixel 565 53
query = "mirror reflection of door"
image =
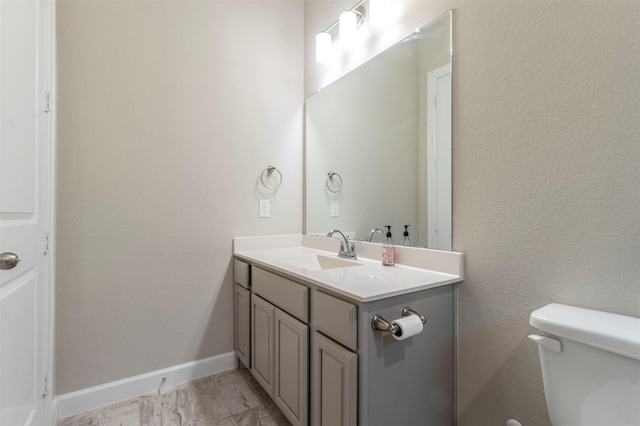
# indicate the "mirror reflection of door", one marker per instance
pixel 439 158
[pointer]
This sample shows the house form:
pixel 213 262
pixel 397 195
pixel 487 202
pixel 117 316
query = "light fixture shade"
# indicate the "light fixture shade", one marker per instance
pixel 348 27
pixel 324 48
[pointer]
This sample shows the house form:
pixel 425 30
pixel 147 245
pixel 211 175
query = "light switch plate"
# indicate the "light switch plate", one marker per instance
pixel 335 209
pixel 264 208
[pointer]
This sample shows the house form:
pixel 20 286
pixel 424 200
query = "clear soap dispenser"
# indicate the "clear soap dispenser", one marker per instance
pixel 388 250
pixel 406 241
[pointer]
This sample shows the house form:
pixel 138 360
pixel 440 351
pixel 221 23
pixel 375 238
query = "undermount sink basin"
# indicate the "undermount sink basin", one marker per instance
pixel 317 262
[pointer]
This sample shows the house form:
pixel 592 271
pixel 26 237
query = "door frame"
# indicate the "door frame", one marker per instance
pixel 432 181
pixel 47 128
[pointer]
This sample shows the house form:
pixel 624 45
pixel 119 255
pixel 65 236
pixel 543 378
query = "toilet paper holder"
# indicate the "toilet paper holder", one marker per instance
pixel 378 323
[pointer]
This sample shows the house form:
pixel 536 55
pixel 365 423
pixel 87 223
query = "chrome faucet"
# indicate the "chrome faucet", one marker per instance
pixel 346 251
pixel 373 232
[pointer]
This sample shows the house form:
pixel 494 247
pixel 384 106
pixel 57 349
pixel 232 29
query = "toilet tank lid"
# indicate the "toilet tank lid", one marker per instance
pixel 612 332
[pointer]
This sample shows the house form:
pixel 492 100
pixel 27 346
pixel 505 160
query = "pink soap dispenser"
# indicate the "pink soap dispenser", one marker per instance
pixel 388 250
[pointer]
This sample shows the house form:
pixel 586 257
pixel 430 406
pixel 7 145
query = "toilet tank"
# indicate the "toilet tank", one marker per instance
pixel 590 365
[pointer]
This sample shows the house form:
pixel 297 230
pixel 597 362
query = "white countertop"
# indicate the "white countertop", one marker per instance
pixel 416 269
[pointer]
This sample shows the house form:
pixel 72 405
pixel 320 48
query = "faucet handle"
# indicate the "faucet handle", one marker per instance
pixel 352 250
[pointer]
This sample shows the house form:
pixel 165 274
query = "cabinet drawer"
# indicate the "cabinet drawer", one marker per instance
pixel 241 273
pixel 335 318
pixel 287 295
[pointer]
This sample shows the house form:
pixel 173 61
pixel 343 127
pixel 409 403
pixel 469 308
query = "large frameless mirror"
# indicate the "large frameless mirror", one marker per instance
pixel 378 144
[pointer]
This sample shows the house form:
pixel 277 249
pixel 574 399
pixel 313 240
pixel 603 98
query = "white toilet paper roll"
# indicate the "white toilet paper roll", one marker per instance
pixel 407 326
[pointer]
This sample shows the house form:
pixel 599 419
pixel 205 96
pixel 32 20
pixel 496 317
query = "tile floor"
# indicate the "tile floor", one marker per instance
pixel 232 398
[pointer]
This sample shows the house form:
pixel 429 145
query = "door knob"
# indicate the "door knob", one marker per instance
pixel 9 260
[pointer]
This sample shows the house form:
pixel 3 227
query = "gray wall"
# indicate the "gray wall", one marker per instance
pixel 546 152
pixel 546 184
pixel 168 112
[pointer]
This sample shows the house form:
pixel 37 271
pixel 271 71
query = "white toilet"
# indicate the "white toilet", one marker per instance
pixel 590 365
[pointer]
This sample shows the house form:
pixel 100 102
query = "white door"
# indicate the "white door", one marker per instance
pixel 26 58
pixel 439 159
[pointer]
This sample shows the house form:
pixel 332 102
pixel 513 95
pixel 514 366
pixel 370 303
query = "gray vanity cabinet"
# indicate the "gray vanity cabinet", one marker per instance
pixel 292 368
pixel 315 353
pixel 242 312
pixel 280 358
pixel 334 362
pixel 263 316
pixel 280 342
pixel 242 327
pixel 334 383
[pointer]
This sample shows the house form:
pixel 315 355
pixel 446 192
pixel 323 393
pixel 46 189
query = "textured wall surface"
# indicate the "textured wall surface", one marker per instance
pixel 546 184
pixel 168 112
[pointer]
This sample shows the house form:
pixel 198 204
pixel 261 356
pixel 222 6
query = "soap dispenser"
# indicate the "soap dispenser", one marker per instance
pixel 406 241
pixel 388 250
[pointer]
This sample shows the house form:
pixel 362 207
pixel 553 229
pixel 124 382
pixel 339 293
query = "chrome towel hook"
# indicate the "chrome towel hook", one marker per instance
pixel 330 177
pixel 269 171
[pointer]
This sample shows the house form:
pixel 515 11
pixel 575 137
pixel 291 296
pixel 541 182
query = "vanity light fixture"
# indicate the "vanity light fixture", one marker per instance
pixel 348 27
pixel 349 22
pixel 324 48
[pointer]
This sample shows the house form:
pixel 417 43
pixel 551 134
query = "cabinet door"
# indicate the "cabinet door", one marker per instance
pixel 334 383
pixel 242 325
pixel 262 342
pixel 292 368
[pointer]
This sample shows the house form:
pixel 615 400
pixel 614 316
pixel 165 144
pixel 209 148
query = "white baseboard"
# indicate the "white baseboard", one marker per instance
pixel 87 399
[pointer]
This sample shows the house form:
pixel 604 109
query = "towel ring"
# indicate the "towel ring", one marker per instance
pixel 269 170
pixel 330 176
